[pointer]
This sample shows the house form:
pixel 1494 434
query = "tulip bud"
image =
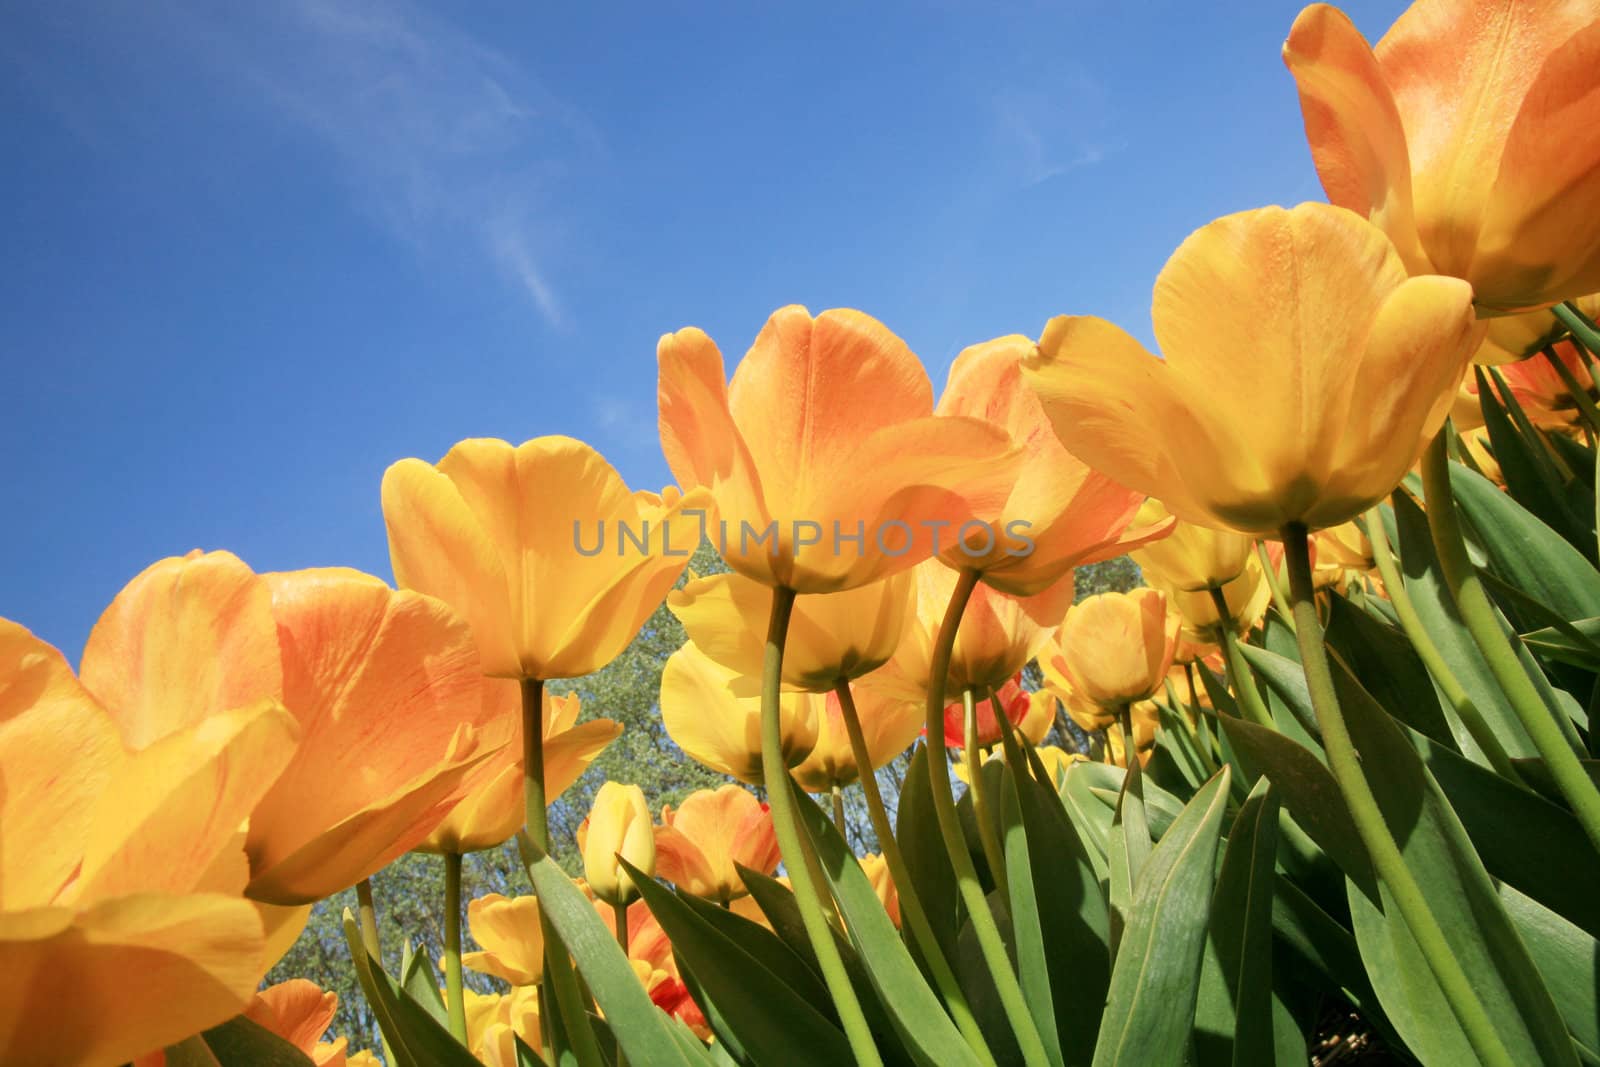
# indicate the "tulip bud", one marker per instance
pixel 619 824
pixel 1118 646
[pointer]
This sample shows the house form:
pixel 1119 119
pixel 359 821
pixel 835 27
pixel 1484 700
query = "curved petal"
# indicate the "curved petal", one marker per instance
pixel 124 977
pixel 713 725
pixel 512 937
pixel 299 1011
pixel 58 749
pixel 186 638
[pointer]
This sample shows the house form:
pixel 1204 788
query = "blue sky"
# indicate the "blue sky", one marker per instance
pixel 255 253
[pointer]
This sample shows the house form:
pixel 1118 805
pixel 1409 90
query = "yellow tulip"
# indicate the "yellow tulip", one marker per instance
pixel 618 826
pixel 877 872
pixel 122 875
pixel 1117 646
pixel 1341 555
pixel 1468 134
pixel 826 437
pixel 1060 514
pixel 496 1020
pixel 540 547
pixel 512 937
pixel 1146 718
pixel 714 725
pixel 1191 557
pixel 889 727
pixel 698 844
pixel 1041 716
pixel 350 658
pixel 1303 373
pixel 831 637
pixel 492 810
pixel 1248 596
pixel 1089 716
pixel 1513 338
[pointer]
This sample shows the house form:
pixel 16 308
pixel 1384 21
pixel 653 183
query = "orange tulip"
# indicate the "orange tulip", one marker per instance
pixel 618 827
pixel 1321 368
pixel 1060 514
pixel 349 657
pixel 1118 646
pixel 698 844
pixel 122 871
pixel 492 810
pixel 540 547
pixel 1468 135
pixel 300 1012
pixel 512 937
pixel 831 637
pixel 1191 557
pixel 827 465
pixel 1016 704
pixel 877 872
pixel 888 726
pixel 999 633
pixel 706 716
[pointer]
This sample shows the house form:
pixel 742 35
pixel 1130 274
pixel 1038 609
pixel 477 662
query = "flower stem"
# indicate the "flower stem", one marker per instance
pixel 944 808
pixel 980 796
pixel 1472 602
pixel 619 913
pixel 1239 676
pixel 1202 730
pixel 455 995
pixel 1428 652
pixel 808 892
pixel 838 810
pixel 1387 861
pixel 367 914
pixel 1280 599
pixel 912 914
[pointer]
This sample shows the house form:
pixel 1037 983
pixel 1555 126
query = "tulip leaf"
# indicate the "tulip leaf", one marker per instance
pixel 1027 924
pixel 190 1052
pixel 1392 671
pixel 1233 1014
pixel 1526 552
pixel 415 1037
pixel 1569 961
pixel 752 1007
pixel 1154 982
pixel 927 863
pixel 641 1029
pixel 919 1019
pixel 1175 740
pixel 1461 897
pixel 1530 474
pixel 1425 583
pixel 526 1057
pixel 1308 941
pixel 243 1042
pixel 1127 849
pixel 767 948
pixel 421 981
pixel 1576 643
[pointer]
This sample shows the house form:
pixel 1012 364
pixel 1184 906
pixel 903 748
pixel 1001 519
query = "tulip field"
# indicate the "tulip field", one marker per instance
pixel 1342 758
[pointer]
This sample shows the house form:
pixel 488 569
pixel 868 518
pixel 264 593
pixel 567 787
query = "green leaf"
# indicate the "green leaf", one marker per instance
pixel 1127 849
pixel 751 1005
pixel 640 1027
pixel 918 1017
pixel 1569 960
pixel 414 1036
pixel 1460 895
pixel 1154 983
pixel 1531 475
pixel 242 1042
pixel 1027 924
pixel 917 831
pixel 1577 643
pixel 421 981
pixel 1394 674
pixel 1235 1001
pixel 526 1057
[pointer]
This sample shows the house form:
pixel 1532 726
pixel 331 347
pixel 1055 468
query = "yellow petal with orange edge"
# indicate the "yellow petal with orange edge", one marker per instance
pixel 58 749
pixel 698 844
pixel 186 638
pixel 174 807
pixel 97 988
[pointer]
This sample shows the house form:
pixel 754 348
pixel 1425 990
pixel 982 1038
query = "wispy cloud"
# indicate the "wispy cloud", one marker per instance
pixel 444 141
pixel 1047 133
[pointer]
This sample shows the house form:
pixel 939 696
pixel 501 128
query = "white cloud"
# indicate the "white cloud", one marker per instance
pixel 1047 133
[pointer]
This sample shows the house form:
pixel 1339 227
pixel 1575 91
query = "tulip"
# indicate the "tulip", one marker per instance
pixel 349 657
pixel 832 636
pixel 1191 557
pixel 1016 704
pixel 300 1012
pixel 1040 717
pixel 1516 338
pixel 1145 718
pixel 826 432
pixel 502 534
pixel 123 870
pixel 889 727
pixel 647 941
pixel 1089 716
pixel 1303 373
pixel 705 716
pixel 1060 514
pixel 491 811
pixel 877 872
pixel 1343 556
pixel 619 827
pixel 1118 646
pixel 698 844
pixel 1247 597
pixel 512 937
pixel 495 1021
pixel 1468 135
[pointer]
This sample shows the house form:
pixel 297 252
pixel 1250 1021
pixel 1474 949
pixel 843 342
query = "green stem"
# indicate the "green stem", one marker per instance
pixel 1202 729
pixel 566 993
pixel 1400 598
pixel 1472 602
pixel 367 914
pixel 1280 599
pixel 944 808
pixel 1583 330
pixel 620 914
pixel 808 892
pixel 1125 724
pixel 1387 861
pixel 838 811
pixel 912 915
pixel 455 994
pixel 980 796
pixel 1239 676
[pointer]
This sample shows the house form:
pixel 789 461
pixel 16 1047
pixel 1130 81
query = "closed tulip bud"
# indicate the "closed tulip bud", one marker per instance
pixel 618 826
pixel 1191 556
pixel 1118 646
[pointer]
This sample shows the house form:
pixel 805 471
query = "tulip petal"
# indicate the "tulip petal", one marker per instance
pixel 186 638
pixel 512 937
pixel 298 1010
pixel 129 975
pixel 58 749
pixel 712 724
